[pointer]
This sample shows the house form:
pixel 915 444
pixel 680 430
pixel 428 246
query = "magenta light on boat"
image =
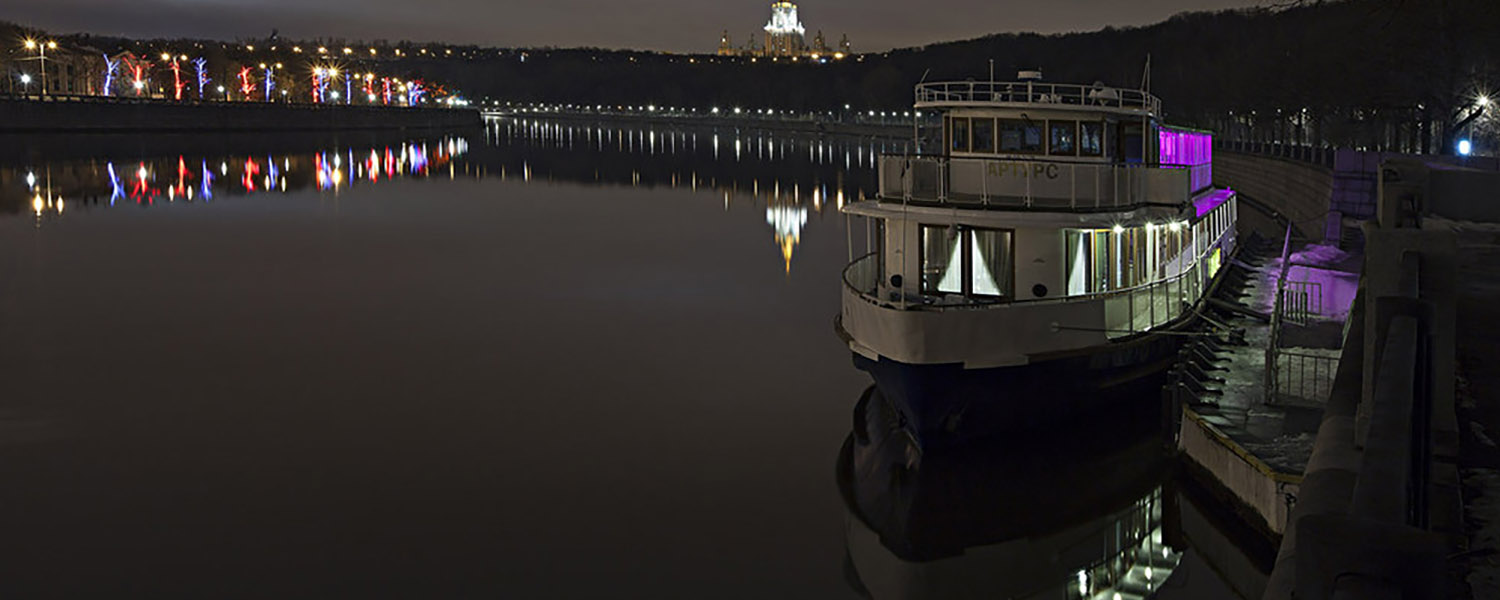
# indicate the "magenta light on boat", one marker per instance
pixel 1191 149
pixel 1207 202
pixel 1181 147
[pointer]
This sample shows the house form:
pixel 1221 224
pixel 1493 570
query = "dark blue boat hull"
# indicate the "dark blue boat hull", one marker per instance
pixel 948 404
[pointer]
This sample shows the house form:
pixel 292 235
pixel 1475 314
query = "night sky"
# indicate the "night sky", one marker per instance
pixel 670 25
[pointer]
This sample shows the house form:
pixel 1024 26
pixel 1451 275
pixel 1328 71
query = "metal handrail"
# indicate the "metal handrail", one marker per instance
pixel 1293 382
pixel 848 271
pixel 1043 158
pixel 972 304
pixel 1033 92
pixel 1273 345
pixel 1088 190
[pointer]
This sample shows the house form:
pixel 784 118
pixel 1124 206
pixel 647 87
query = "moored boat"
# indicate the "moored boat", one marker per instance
pixel 1046 261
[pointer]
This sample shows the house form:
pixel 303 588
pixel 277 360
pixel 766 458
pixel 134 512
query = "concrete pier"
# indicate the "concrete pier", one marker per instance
pixel 1381 512
pixel 1398 493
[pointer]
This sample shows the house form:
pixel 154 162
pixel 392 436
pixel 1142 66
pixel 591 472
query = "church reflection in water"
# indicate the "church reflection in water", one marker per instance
pixel 1076 514
pixel 792 177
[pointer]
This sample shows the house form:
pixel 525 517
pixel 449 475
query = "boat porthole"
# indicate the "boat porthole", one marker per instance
pixel 1039 290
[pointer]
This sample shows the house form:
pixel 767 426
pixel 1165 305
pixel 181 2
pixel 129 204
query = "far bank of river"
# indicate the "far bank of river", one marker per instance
pixel 61 114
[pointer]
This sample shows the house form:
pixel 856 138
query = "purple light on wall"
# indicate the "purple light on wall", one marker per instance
pixel 1192 149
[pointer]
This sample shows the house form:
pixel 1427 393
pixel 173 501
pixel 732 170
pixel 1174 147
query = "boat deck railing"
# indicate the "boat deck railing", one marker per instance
pixel 1038 184
pixel 1127 311
pixel 1033 92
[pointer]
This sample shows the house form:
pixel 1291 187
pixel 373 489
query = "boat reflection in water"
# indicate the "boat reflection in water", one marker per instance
pixel 53 189
pixel 1070 515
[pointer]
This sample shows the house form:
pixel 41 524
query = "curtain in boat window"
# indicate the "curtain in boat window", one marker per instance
pixel 1091 138
pixel 1021 136
pixel 973 262
pixel 990 262
pixel 942 261
pixel 960 139
pixel 1062 135
pixel 1079 246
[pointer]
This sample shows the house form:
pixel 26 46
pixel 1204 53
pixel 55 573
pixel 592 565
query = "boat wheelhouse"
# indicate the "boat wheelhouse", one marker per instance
pixel 1041 259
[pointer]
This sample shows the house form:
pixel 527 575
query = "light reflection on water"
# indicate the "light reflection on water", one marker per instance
pixel 793 177
pixel 651 417
pixel 47 190
pixel 1076 514
pixel 503 369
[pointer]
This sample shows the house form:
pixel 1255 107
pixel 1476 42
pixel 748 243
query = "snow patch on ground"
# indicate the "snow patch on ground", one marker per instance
pixel 1287 453
pixel 1483 512
pixel 1439 223
pixel 1320 254
pixel 1479 434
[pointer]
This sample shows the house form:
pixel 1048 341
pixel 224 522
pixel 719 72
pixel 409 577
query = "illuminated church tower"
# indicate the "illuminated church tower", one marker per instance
pixel 726 47
pixel 784 31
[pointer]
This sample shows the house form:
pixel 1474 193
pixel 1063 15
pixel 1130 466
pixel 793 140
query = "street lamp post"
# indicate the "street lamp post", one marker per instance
pixel 41 48
pixel 26 84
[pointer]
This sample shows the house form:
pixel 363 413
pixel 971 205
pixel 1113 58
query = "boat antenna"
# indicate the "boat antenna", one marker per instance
pixel 1146 76
pixel 916 116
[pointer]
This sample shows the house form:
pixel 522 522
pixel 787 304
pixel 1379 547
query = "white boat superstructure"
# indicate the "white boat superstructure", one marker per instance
pixel 1056 221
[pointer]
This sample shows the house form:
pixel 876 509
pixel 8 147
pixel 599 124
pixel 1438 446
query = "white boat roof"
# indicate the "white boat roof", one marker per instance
pixel 1019 95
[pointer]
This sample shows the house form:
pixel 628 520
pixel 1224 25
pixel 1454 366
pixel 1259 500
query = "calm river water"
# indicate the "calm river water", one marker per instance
pixel 542 359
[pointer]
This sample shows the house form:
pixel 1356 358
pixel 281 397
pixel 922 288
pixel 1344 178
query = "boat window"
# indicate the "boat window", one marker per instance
pixel 1021 137
pixel 1080 249
pixel 941 260
pixel 1091 138
pixel 990 262
pixel 1132 140
pixel 968 261
pixel 959 140
pixel 1135 251
pixel 1061 137
pixel 1104 250
pixel 984 134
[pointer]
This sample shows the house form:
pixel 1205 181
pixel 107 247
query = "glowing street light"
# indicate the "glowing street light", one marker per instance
pixel 26 81
pixel 41 48
pixel 1465 147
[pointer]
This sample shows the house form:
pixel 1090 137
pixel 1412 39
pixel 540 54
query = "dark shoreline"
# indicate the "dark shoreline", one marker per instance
pixel 108 115
pixel 901 131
